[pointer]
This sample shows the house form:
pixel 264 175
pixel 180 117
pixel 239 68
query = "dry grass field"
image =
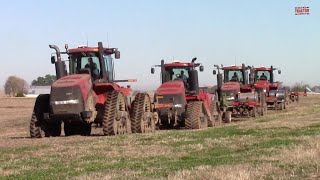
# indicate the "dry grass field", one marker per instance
pixel 281 145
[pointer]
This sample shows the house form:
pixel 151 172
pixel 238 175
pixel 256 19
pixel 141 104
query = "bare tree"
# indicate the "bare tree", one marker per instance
pixel 15 85
pixel 299 87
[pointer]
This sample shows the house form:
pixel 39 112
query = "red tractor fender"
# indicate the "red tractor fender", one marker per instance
pixel 102 89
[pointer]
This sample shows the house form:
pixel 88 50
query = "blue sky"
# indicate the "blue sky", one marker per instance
pixel 216 32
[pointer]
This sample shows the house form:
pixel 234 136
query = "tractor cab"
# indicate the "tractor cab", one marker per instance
pixel 181 71
pixel 264 77
pixel 264 74
pixel 235 78
pixel 96 61
pixel 235 82
pixel 235 74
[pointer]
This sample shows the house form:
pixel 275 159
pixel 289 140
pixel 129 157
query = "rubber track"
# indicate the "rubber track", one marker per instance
pixel 194 110
pixel 110 113
pixel 137 112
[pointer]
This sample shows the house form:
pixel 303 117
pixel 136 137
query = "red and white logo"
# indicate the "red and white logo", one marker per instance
pixel 303 10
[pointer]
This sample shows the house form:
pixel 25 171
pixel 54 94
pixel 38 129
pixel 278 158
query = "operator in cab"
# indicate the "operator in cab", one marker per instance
pixel 235 77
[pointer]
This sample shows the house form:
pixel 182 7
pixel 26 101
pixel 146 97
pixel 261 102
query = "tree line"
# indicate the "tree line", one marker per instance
pixel 18 87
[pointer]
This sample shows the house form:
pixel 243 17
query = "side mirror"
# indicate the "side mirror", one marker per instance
pixel 279 71
pixel 117 54
pixel 152 70
pixel 53 59
pixel 201 68
pixel 214 72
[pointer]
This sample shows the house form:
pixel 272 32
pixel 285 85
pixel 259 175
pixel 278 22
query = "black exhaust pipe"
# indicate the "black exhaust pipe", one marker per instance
pixel 271 74
pixel 163 72
pixel 105 74
pixel 219 86
pixel 60 70
pixel 251 75
pixel 245 81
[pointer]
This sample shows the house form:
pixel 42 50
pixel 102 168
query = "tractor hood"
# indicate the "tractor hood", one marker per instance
pixel 66 85
pixel 231 86
pixel 275 86
pixel 171 87
pixel 262 84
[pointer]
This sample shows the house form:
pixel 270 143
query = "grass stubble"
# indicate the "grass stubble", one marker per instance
pixel 281 145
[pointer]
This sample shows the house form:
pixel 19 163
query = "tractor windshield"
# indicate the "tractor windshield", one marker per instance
pixel 262 75
pixel 178 73
pixel 233 75
pixel 88 62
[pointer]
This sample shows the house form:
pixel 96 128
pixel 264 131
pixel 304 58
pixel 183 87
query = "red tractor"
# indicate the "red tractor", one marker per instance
pixel 264 82
pixel 179 102
pixel 236 94
pixel 294 96
pixel 89 94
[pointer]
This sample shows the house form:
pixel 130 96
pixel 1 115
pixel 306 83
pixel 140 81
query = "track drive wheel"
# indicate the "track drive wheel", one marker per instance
pixel 38 126
pixel 142 117
pixel 195 117
pixel 116 118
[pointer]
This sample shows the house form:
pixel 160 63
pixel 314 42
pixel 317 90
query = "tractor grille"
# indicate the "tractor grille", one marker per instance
pixel 66 100
pixel 177 100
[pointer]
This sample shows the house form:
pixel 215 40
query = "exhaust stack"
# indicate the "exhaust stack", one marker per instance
pixel 60 69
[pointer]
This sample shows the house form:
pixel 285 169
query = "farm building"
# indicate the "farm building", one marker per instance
pixel 34 91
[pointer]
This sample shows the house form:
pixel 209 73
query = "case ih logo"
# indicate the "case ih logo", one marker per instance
pixel 302 10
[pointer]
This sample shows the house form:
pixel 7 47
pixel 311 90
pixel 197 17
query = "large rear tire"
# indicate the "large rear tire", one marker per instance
pixel 195 118
pixel 142 119
pixel 116 118
pixel 38 126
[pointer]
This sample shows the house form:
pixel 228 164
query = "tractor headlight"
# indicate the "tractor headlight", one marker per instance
pixel 230 98
pixel 71 101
